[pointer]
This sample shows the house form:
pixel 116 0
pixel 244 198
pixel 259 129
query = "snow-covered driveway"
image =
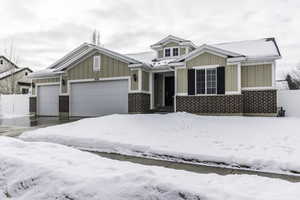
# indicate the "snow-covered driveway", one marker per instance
pixel 35 171
pixel 270 144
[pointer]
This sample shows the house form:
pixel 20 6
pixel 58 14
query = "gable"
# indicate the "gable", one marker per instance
pixel 110 67
pixel 204 59
pixel 170 44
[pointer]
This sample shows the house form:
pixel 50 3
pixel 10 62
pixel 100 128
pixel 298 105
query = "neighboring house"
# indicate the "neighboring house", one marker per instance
pixel 282 85
pixel 236 78
pixel 13 79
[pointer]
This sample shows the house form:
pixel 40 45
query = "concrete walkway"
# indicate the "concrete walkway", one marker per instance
pixel 201 169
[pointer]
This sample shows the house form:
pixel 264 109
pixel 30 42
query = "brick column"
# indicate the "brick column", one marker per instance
pixel 64 107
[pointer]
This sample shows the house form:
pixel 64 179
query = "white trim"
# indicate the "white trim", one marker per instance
pixel 46 77
pixel 232 92
pixel 206 66
pixel 257 63
pixel 151 86
pixel 273 74
pixel 161 71
pixel 239 79
pixel 60 89
pixel 139 91
pixel 182 94
pixel 175 89
pixel 259 88
pixel 43 84
pixel 163 90
pixel 140 79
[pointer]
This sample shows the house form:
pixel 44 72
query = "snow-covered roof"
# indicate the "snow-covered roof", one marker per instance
pixel 265 47
pixel 12 71
pixel 146 57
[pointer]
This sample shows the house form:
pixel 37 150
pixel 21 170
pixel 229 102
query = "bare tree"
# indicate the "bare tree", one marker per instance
pixel 8 84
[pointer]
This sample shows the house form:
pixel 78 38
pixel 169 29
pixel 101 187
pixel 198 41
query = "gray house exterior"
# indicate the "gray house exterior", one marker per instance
pixel 236 78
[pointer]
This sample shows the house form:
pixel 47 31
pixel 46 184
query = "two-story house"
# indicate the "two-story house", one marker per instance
pixel 235 78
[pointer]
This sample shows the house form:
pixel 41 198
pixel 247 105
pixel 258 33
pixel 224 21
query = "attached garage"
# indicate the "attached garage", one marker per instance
pixel 98 98
pixel 47 100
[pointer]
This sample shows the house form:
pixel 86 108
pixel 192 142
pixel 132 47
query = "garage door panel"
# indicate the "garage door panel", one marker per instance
pixel 99 98
pixel 48 100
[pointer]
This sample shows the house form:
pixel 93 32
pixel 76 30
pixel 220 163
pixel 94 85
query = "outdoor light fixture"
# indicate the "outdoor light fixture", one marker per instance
pixel 63 81
pixel 134 77
pixel 33 85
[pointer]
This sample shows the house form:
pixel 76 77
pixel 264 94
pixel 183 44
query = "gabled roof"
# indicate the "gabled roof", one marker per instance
pixel 79 53
pixel 172 38
pixel 13 64
pixel 8 73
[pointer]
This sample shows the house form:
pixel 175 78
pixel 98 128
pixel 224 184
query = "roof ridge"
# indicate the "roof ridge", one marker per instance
pixel 240 41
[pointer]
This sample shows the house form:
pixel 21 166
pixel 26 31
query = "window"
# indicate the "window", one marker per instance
pixel 171 52
pixel 97 63
pixel 25 90
pixel 175 51
pixel 167 52
pixel 206 81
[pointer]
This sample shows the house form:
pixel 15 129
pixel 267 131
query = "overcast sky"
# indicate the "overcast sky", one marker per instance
pixel 43 31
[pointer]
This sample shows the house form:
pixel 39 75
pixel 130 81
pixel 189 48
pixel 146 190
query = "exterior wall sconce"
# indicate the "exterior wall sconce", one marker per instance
pixel 134 77
pixel 63 82
pixel 33 85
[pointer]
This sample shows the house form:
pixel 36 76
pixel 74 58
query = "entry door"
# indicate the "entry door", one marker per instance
pixel 48 100
pixel 169 91
pixel 99 98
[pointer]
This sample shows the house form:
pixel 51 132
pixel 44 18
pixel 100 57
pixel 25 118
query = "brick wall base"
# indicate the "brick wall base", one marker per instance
pixel 210 104
pixel 138 103
pixel 33 106
pixel 63 107
pixel 259 102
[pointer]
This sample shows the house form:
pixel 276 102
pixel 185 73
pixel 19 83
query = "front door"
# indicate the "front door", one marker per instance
pixel 169 91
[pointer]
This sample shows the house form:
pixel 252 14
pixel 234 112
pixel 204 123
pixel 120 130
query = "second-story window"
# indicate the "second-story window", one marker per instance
pixel 175 51
pixel 167 52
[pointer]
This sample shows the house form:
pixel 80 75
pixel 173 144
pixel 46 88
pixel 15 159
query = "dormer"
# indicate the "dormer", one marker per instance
pixel 172 47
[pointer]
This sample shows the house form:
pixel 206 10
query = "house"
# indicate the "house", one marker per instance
pixel 13 79
pixel 235 78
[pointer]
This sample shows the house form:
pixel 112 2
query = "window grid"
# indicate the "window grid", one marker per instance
pixel 206 81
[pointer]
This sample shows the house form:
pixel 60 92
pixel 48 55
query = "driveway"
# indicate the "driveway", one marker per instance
pixel 15 126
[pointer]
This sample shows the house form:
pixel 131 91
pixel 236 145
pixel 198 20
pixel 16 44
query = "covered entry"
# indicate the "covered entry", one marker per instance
pixel 99 98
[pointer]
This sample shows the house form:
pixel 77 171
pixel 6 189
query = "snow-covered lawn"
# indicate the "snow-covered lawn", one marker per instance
pixel 269 144
pixel 36 170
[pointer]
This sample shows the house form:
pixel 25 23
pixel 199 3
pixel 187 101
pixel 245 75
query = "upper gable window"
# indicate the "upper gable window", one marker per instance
pixel 167 52
pixel 175 51
pixel 97 63
pixel 171 52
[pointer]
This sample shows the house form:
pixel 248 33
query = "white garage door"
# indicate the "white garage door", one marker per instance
pixel 48 100
pixel 99 98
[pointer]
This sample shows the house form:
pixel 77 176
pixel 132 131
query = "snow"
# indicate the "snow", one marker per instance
pixel 145 57
pixel 35 170
pixel 251 48
pixel 282 85
pixel 289 100
pixel 14 105
pixel 266 144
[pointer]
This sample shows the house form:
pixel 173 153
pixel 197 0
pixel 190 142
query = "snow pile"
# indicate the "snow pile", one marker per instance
pixel 14 105
pixel 270 144
pixel 49 171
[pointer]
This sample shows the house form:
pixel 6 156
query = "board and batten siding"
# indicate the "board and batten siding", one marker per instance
pixel 110 67
pixel 44 80
pixel 256 75
pixel 160 53
pixel 145 81
pixel 134 84
pixel 206 59
pixel 182 51
pixel 181 81
pixel 231 78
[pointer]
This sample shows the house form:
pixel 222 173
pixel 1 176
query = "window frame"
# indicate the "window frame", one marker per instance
pixel 96 68
pixel 216 76
pixel 171 52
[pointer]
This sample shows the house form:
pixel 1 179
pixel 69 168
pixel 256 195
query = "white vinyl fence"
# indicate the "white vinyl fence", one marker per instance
pixel 290 101
pixel 14 105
